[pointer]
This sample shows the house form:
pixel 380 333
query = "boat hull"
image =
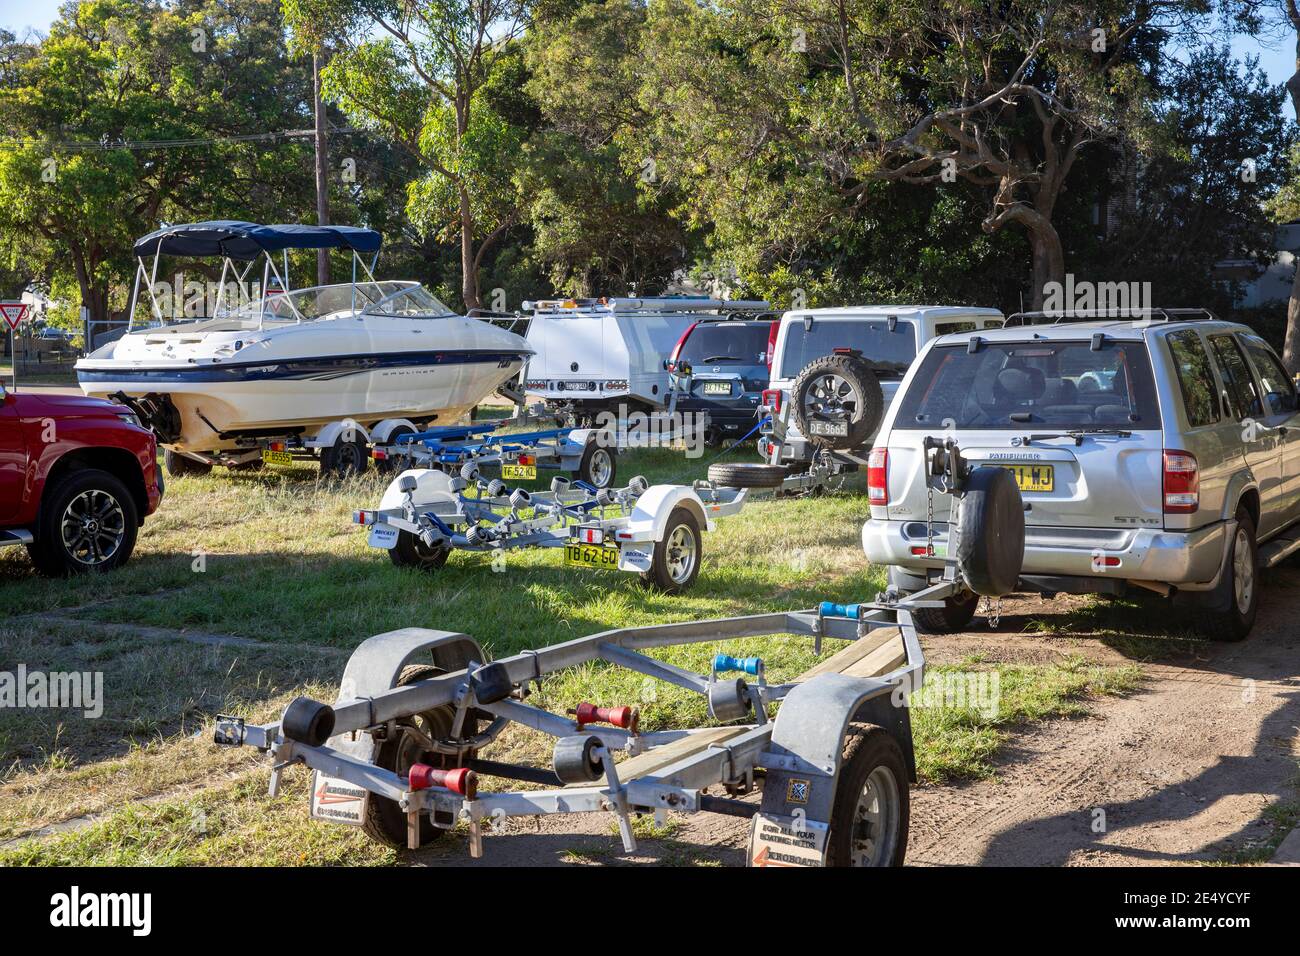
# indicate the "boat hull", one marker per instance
pixel 264 385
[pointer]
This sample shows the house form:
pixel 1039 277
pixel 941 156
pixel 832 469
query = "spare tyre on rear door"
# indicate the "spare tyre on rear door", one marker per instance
pixel 838 402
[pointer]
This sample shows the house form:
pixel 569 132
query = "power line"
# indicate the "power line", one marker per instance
pixel 106 144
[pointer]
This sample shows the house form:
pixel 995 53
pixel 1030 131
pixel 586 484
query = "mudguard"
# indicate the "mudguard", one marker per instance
pixel 380 434
pixel 650 514
pixel 430 484
pixel 373 669
pixel 803 765
pixel 327 436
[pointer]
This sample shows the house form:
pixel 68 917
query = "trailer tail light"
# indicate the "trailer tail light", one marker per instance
pixel 527 459
pixel 1182 482
pixel 276 446
pixel 677 349
pixel 363 517
pixel 772 400
pixel 771 344
pixel 461 781
pixel 378 454
pixel 878 476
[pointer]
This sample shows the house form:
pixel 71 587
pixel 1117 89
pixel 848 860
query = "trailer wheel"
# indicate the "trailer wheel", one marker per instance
pixel 597 467
pixel 178 465
pixel 991 532
pixel 838 391
pixel 385 822
pixel 747 475
pixel 389 466
pixel 410 551
pixel 344 458
pixel 869 816
pixel 676 559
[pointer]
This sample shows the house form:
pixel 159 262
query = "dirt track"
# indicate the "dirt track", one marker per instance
pixel 1182 770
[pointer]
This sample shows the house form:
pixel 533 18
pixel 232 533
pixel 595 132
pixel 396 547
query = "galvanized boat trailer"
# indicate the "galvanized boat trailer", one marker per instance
pixel 655 531
pixel 398 753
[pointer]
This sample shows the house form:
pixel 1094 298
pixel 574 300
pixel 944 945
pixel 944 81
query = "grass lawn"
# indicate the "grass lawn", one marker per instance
pixel 273 556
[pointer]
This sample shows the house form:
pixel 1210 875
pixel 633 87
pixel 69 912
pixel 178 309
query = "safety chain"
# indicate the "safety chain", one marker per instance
pixel 992 607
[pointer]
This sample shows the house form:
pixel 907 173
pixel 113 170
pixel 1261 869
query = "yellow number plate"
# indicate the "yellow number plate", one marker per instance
pixel 277 458
pixel 591 556
pixel 518 472
pixel 1033 477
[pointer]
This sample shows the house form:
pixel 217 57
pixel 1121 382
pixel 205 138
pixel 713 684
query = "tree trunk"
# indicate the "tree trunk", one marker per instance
pixel 322 184
pixel 1048 257
pixel 1291 345
pixel 469 274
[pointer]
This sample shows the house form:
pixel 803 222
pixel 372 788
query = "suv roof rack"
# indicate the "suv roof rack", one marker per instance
pixel 1079 315
pixel 668 303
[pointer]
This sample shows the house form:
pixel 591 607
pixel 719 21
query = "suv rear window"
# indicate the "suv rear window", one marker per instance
pixel 1044 384
pixel 726 343
pixel 1195 377
pixel 888 350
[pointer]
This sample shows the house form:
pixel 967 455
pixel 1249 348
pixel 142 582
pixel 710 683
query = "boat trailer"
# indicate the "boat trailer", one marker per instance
pixel 587 454
pixel 398 753
pixel 655 531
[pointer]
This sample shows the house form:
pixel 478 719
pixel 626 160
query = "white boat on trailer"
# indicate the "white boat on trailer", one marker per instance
pixel 319 371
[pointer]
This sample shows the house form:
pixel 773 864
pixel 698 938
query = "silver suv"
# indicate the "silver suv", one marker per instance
pixel 1162 453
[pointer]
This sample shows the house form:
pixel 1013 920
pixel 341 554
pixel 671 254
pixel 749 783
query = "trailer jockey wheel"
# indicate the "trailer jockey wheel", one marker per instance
pixel 869 817
pixel 575 760
pixel 385 821
pixel 410 551
pixel 344 458
pixel 676 558
pixel 597 467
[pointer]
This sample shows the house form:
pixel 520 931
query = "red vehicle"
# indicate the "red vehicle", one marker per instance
pixel 77 478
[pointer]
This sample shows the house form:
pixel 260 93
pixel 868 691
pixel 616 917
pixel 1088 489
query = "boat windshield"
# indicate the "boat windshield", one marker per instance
pixel 407 299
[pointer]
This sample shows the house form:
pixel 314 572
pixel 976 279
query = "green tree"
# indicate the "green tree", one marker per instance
pixel 795 107
pixel 414 72
pixel 80 180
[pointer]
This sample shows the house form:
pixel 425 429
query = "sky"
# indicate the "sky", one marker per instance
pixel 1277 60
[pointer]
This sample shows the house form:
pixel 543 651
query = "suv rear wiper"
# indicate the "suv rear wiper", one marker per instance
pixel 1078 434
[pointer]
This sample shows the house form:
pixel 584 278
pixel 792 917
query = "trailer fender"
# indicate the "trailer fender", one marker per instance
pixel 327 436
pixel 381 433
pixel 650 514
pixel 803 766
pixel 603 436
pixel 373 669
pixel 430 483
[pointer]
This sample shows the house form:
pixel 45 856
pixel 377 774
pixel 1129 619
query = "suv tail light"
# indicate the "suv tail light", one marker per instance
pixel 878 476
pixel 1182 482
pixel 772 399
pixel 771 343
pixel 677 349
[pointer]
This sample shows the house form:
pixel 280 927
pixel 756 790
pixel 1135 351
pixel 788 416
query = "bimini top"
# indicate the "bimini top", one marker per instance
pixel 247 240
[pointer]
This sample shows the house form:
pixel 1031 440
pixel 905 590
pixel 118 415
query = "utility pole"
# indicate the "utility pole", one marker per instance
pixel 322 185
